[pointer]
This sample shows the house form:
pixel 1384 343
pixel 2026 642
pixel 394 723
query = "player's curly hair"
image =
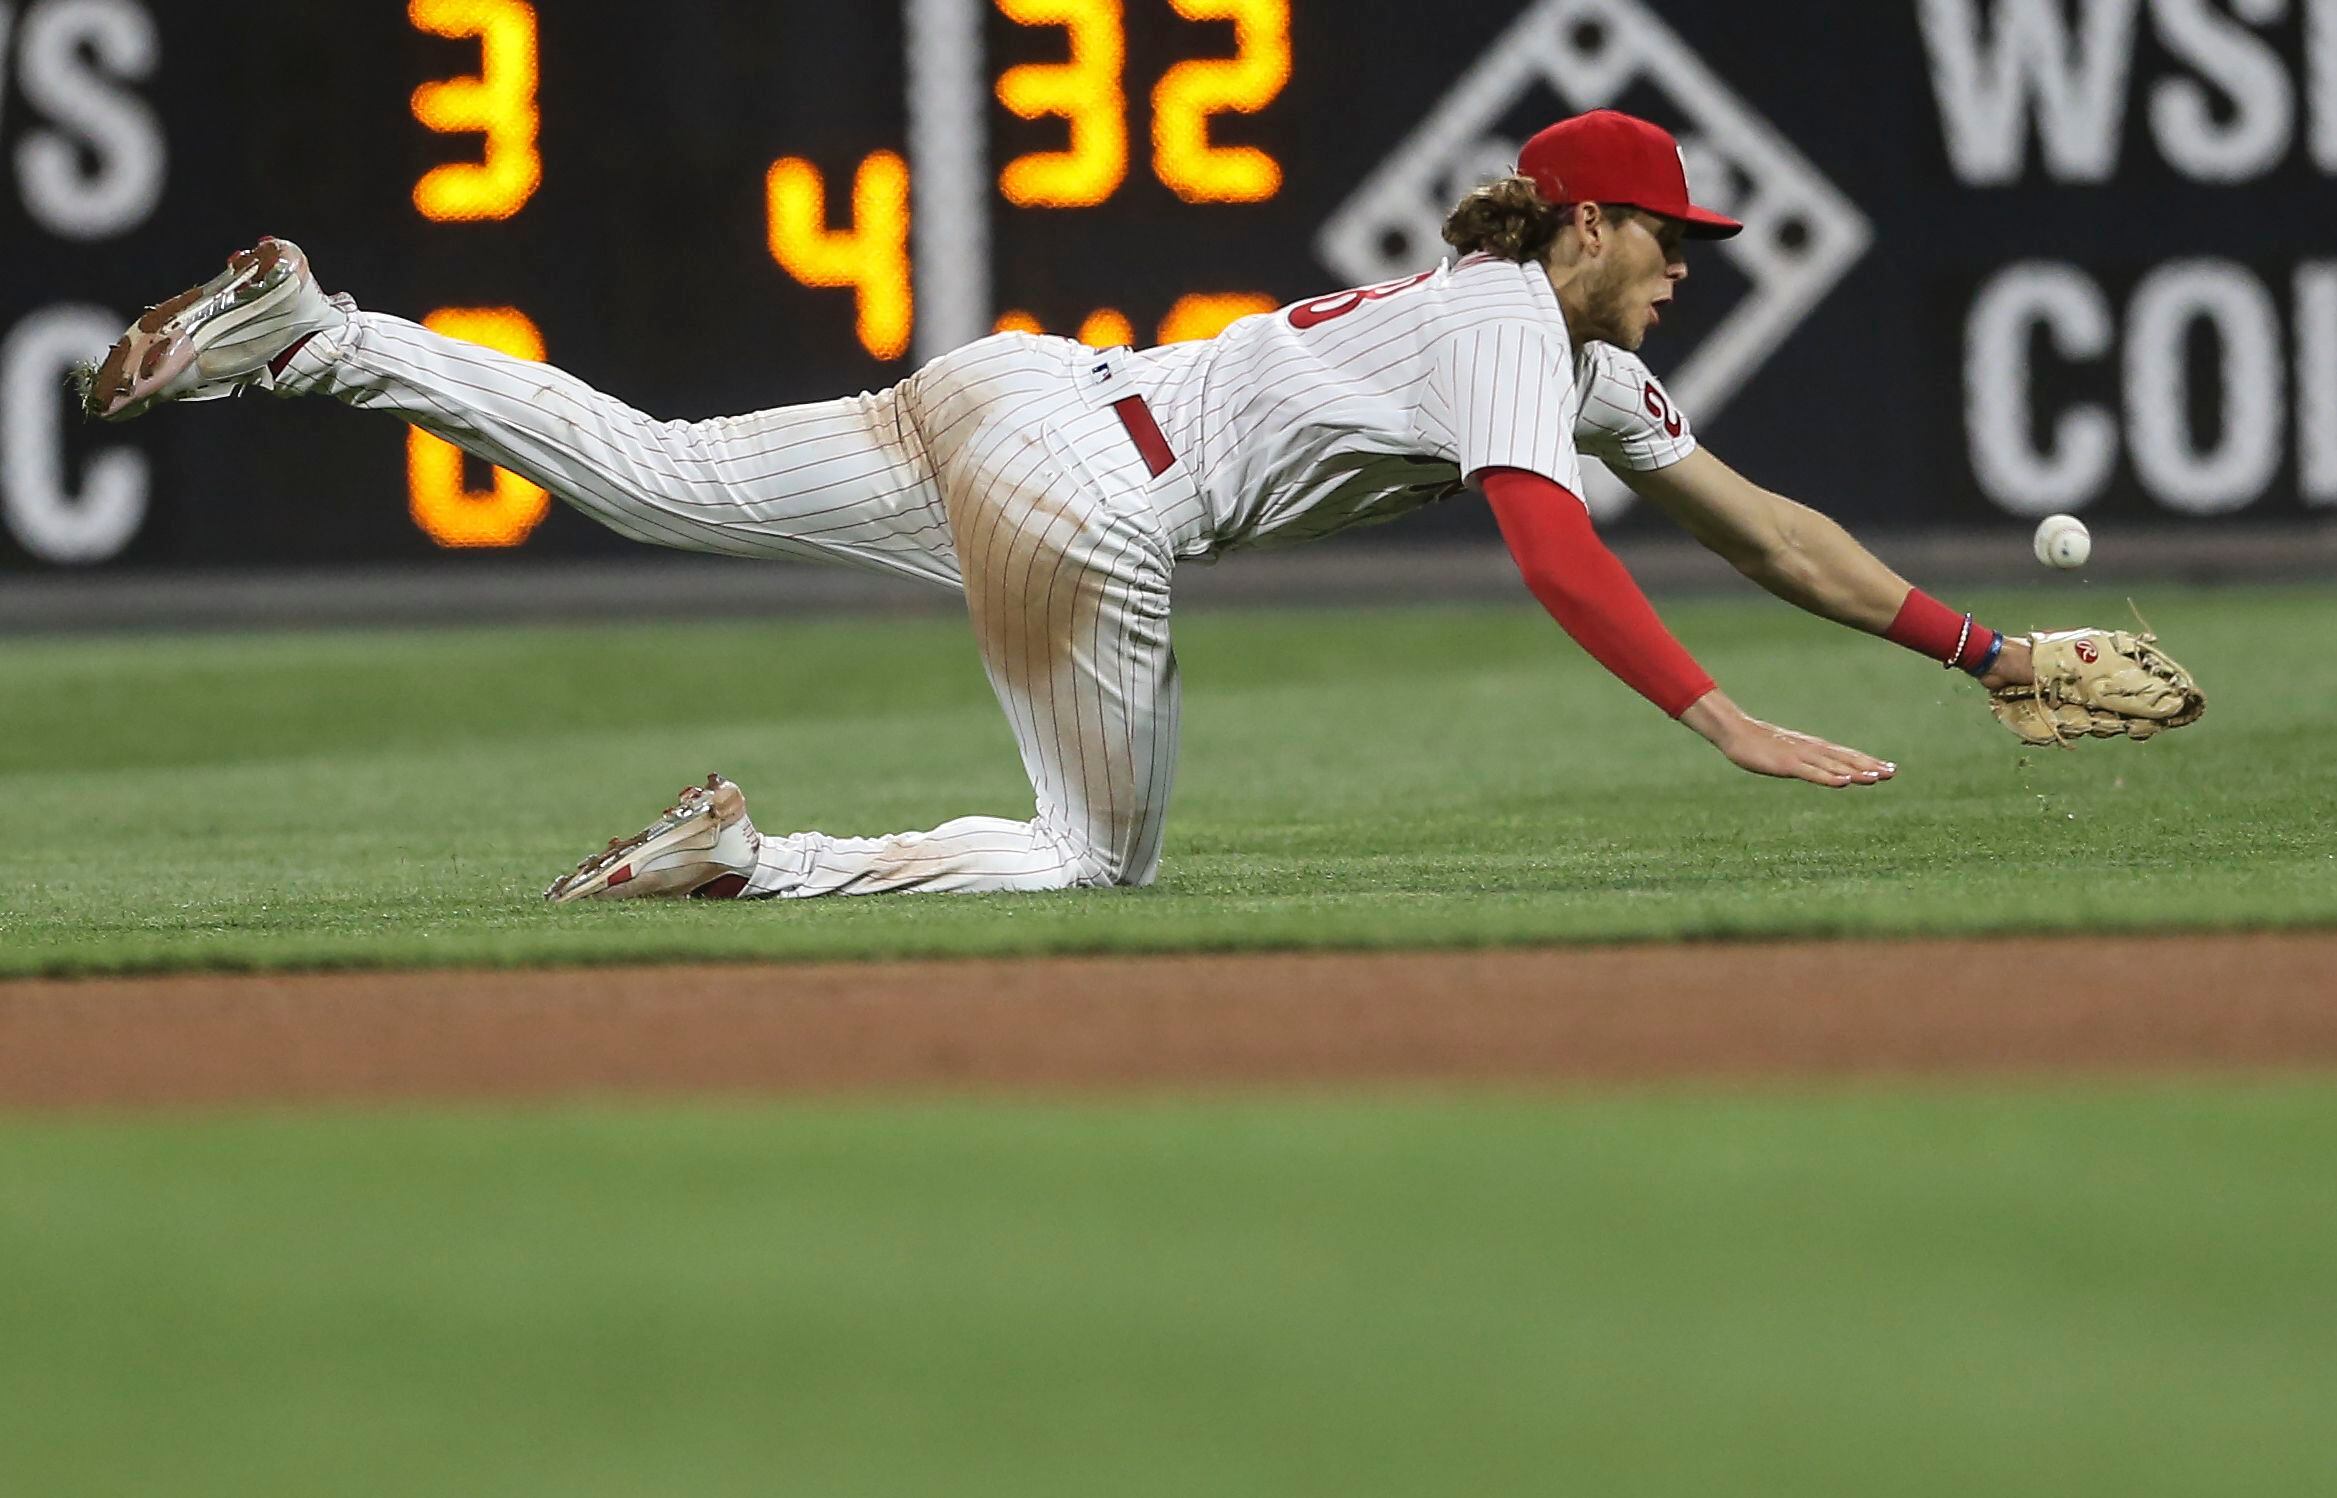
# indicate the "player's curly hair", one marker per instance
pixel 1510 218
pixel 1506 217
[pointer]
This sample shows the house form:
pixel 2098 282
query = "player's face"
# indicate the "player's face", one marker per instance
pixel 1643 266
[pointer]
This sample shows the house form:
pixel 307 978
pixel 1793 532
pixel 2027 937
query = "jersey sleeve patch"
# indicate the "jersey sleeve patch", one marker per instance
pixel 1628 419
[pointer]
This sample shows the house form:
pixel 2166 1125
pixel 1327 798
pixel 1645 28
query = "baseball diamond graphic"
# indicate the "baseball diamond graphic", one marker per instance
pixel 1801 234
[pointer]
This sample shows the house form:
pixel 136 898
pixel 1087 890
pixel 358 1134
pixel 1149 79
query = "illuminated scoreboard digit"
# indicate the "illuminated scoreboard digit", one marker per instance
pixel 1190 93
pixel 919 249
pixel 871 256
pixel 499 103
pixel 1086 92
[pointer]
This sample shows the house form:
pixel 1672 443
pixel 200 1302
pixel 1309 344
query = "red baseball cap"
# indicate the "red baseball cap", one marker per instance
pixel 1607 156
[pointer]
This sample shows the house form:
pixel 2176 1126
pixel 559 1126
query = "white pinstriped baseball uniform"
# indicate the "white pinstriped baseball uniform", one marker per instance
pixel 1010 469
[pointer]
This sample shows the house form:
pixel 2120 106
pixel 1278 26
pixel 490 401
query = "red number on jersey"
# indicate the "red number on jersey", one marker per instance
pixel 1662 411
pixel 1339 303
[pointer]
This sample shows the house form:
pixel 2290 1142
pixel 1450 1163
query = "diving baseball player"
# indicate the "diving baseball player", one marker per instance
pixel 1058 486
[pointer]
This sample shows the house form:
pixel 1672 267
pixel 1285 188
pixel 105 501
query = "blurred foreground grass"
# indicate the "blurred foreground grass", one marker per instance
pixel 2121 1292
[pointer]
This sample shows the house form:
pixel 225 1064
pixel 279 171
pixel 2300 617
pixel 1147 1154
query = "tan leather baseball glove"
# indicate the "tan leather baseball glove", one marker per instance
pixel 2098 683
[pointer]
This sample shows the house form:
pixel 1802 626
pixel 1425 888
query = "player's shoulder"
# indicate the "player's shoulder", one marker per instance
pixel 1483 288
pixel 1598 357
pixel 1492 275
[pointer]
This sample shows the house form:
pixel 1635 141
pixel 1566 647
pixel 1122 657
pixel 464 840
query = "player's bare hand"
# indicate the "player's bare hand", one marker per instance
pixel 1766 749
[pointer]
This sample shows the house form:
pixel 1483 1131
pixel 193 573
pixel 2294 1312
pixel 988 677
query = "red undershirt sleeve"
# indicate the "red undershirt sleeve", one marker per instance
pixel 1586 589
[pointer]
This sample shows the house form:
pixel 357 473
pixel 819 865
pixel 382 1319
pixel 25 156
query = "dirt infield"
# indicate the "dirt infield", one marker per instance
pixel 1614 1014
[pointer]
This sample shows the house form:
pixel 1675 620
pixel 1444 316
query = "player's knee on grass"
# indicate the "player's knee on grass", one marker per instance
pixel 1093 864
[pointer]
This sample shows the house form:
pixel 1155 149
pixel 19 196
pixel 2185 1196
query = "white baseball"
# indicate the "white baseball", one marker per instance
pixel 2063 541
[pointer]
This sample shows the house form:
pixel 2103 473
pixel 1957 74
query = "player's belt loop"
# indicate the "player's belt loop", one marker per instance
pixel 1136 416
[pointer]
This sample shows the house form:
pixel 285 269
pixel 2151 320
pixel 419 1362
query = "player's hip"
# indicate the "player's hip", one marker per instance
pixel 1021 422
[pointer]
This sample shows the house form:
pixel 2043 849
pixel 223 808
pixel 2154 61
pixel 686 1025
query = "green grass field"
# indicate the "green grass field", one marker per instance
pixel 1410 777
pixel 2122 1292
pixel 2118 1289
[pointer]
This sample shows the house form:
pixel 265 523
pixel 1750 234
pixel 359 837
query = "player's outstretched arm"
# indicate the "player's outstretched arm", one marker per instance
pixel 1597 602
pixel 1808 560
pixel 1790 549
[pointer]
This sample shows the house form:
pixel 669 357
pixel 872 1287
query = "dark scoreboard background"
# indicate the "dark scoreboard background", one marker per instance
pixel 2008 256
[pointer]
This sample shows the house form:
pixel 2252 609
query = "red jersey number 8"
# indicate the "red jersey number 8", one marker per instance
pixel 1338 304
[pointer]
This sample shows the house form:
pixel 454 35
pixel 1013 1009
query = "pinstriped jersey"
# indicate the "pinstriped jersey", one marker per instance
pixel 1354 408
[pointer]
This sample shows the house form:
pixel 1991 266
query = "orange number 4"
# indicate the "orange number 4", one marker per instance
pixel 871 257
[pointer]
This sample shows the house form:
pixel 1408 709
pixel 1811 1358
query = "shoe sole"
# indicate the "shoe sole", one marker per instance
pixel 157 359
pixel 613 867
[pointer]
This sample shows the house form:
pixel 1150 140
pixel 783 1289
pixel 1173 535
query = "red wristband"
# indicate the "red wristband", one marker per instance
pixel 1930 628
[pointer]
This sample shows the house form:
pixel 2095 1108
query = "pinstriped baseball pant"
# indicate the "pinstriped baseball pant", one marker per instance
pixel 995 470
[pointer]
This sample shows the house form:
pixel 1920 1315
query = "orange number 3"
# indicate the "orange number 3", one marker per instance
pixel 499 103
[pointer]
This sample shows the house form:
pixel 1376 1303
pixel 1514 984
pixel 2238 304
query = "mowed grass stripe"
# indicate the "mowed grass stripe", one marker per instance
pixel 1399 777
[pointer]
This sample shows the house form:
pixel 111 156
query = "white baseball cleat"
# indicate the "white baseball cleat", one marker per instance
pixel 703 845
pixel 234 331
